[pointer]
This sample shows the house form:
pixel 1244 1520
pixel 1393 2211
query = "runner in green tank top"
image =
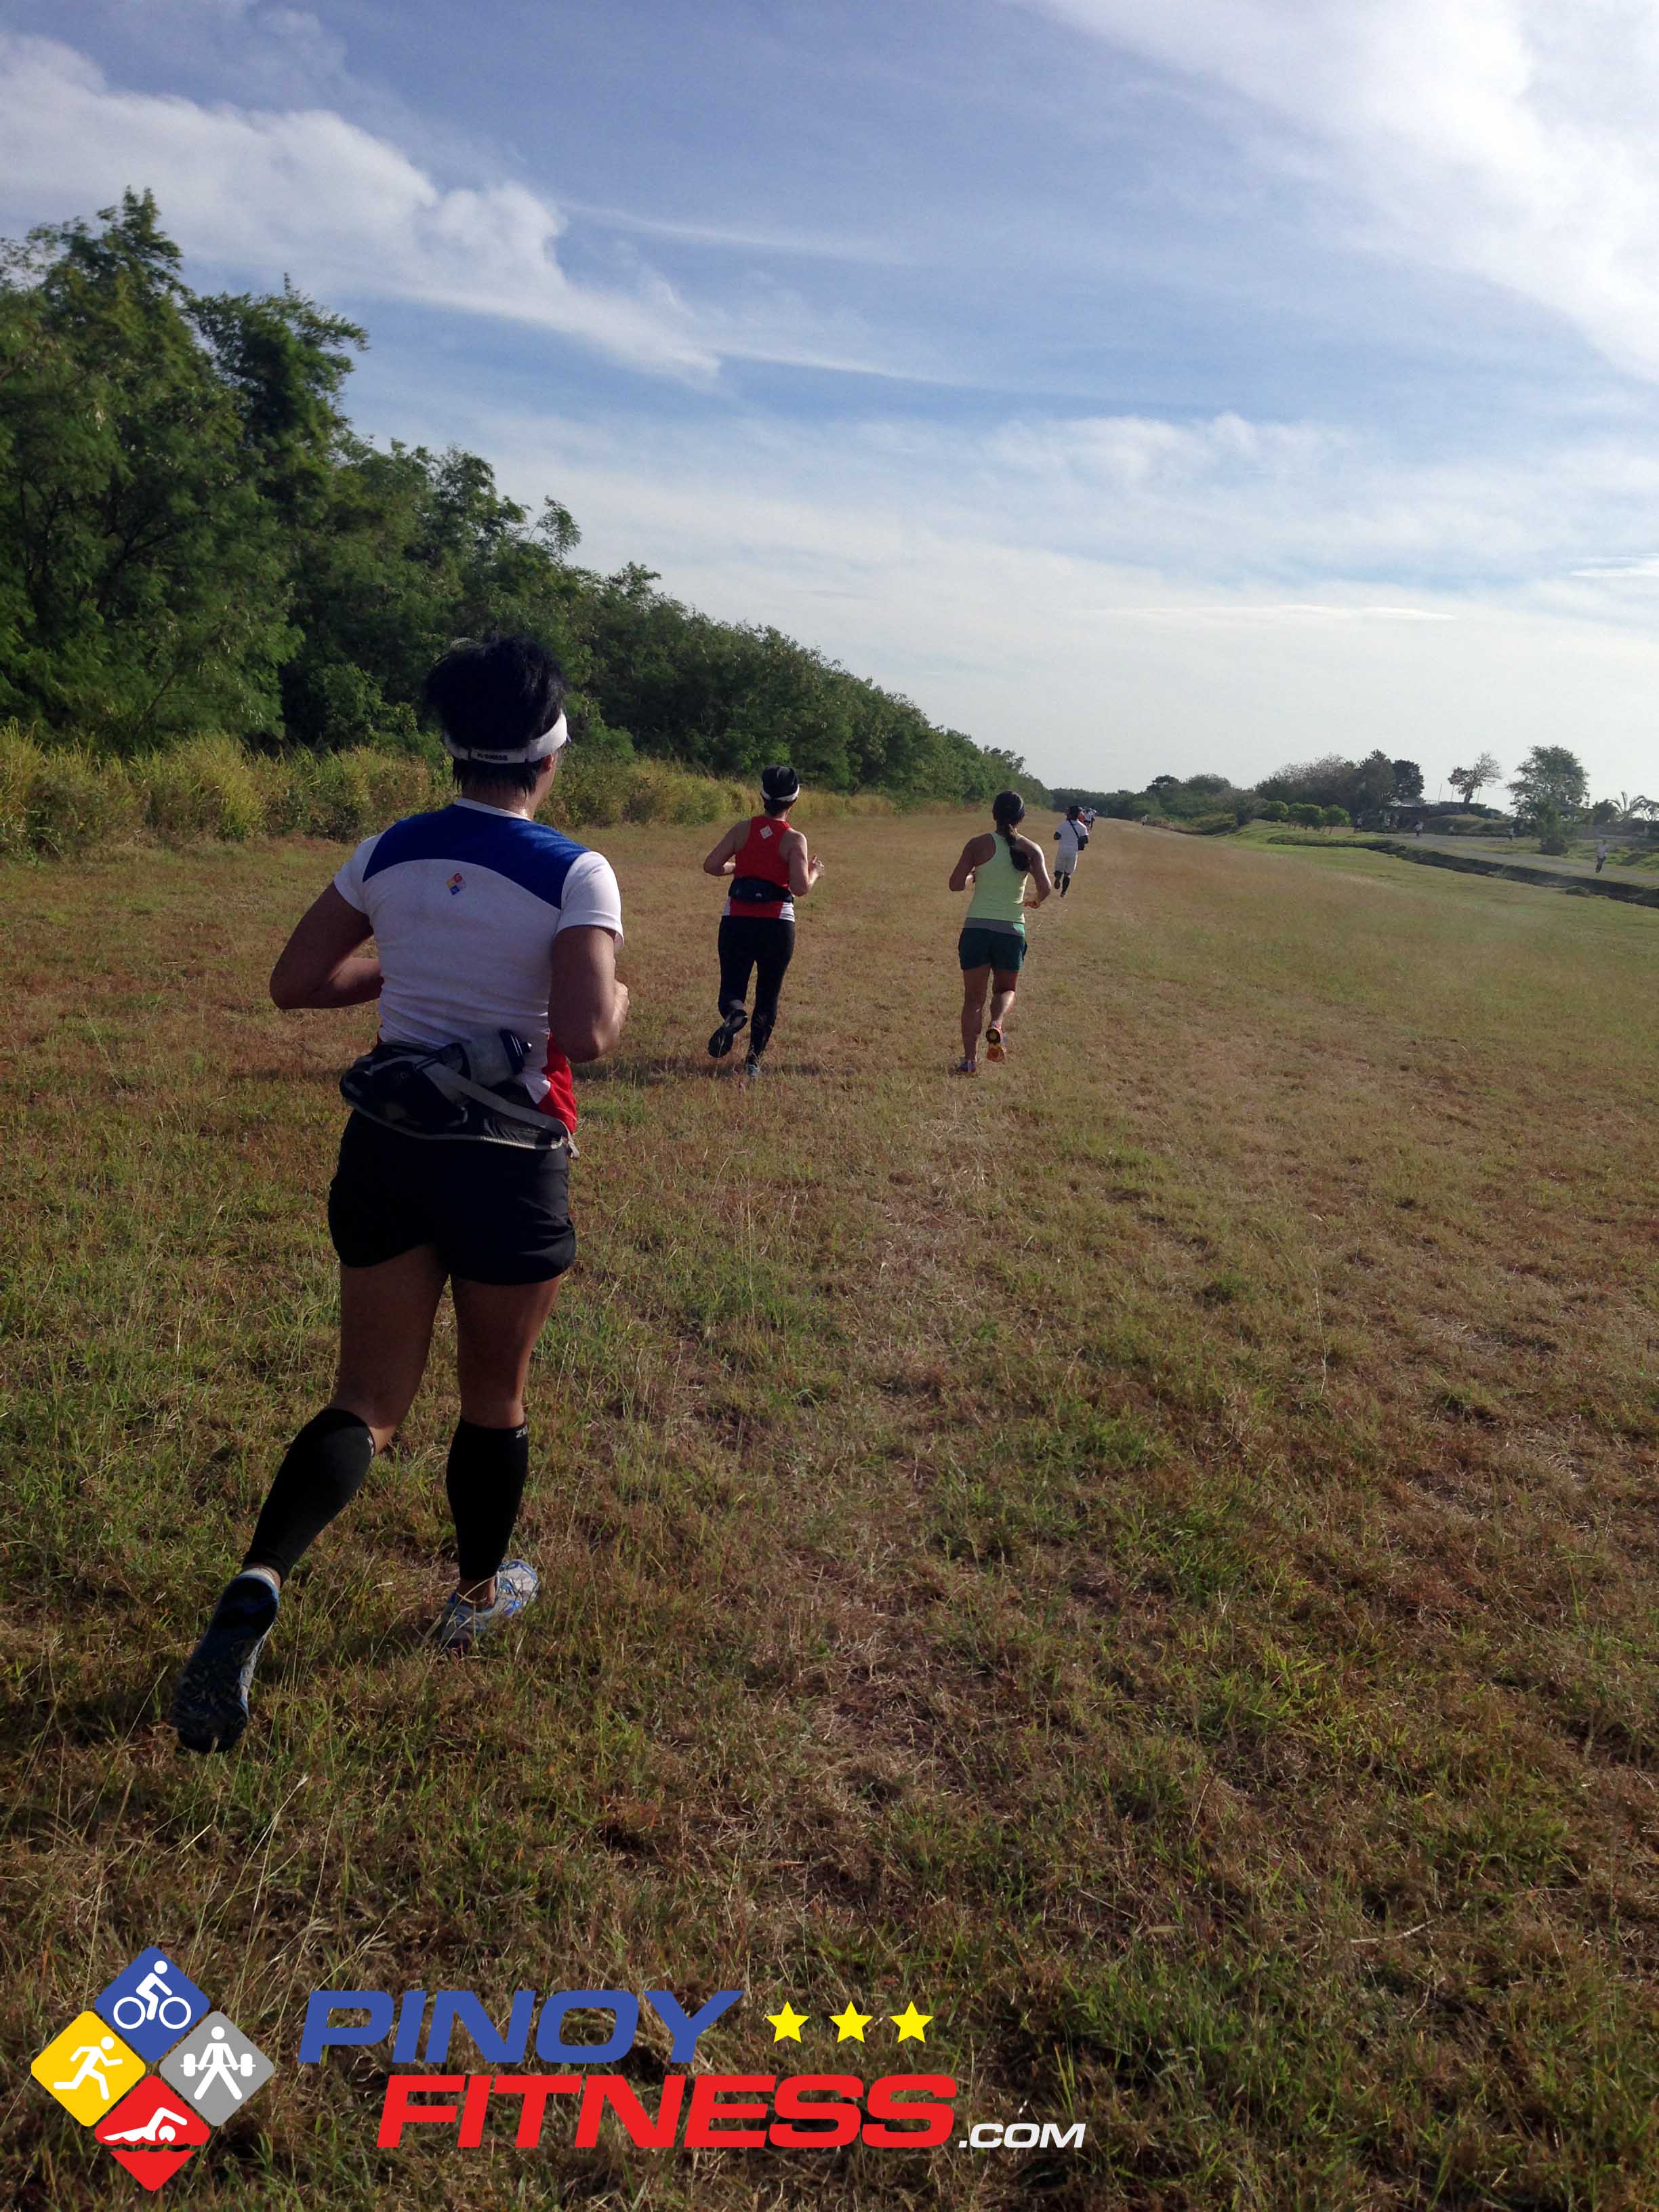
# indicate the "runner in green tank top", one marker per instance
pixel 991 946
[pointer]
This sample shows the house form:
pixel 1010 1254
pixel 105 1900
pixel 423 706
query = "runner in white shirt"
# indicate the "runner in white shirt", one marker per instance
pixel 1073 836
pixel 494 966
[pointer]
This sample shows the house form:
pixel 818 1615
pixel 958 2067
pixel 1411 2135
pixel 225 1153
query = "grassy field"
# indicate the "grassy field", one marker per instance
pixel 1148 1554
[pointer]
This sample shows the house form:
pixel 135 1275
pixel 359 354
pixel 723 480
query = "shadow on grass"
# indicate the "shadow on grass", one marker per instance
pixel 641 1073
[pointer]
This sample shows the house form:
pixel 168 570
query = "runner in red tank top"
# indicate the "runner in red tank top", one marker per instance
pixel 770 868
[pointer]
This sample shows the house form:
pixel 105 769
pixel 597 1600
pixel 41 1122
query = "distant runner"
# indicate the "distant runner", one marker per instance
pixel 991 946
pixel 1601 851
pixel 1073 836
pixel 494 966
pixel 770 868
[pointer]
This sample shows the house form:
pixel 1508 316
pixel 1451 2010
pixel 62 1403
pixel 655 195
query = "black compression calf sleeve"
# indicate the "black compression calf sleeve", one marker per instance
pixel 321 1473
pixel 486 1480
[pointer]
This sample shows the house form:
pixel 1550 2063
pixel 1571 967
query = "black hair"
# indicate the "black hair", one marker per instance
pixel 494 690
pixel 497 776
pixel 780 789
pixel 1008 811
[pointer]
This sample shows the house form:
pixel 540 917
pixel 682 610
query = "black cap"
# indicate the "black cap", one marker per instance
pixel 781 787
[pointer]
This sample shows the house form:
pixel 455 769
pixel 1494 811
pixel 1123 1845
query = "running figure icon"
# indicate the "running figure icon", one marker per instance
pixel 94 2057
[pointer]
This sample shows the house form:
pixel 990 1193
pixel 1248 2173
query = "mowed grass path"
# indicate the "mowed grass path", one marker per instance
pixel 1148 1554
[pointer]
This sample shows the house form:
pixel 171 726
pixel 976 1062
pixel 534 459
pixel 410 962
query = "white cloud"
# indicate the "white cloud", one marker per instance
pixel 353 217
pixel 1511 140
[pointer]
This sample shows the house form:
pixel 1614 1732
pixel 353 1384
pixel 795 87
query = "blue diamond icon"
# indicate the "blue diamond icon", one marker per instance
pixel 150 2004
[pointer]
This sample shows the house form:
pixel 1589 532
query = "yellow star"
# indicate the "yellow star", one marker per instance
pixel 789 2022
pixel 851 2024
pixel 910 2023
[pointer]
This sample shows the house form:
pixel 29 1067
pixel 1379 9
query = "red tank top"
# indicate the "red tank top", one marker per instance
pixel 761 859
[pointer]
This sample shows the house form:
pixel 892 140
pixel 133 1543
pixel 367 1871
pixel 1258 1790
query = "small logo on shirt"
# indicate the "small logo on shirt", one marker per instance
pixel 455 883
pixel 765 834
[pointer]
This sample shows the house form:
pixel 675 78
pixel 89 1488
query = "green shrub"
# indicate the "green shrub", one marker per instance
pixel 208 788
pixel 77 801
pixel 21 761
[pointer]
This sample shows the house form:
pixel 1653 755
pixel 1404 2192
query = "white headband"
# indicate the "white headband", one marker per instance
pixel 511 755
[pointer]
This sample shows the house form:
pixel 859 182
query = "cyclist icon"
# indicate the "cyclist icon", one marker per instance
pixel 153 1999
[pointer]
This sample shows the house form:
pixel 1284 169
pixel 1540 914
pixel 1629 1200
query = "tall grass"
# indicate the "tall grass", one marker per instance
pixel 58 800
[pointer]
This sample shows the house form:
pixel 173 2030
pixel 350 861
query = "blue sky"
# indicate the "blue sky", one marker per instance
pixel 1146 387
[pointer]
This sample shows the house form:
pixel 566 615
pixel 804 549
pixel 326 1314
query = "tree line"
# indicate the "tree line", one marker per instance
pixel 198 540
pixel 1549 793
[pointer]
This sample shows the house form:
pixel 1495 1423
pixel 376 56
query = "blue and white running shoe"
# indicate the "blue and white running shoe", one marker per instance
pixel 209 1706
pixel 461 1623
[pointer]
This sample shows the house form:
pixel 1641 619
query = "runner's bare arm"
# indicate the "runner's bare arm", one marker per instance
pixel 1039 876
pixel 804 871
pixel 319 965
pixel 586 1005
pixel 974 854
pixel 719 861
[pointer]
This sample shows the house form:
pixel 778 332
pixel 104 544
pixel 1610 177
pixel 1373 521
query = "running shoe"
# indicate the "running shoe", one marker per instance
pixel 966 1066
pixel 209 1706
pixel 461 1623
pixel 752 1068
pixel 721 1044
pixel 995 1047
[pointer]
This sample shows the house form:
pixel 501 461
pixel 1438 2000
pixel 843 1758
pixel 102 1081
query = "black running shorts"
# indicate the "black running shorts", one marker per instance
pixel 1002 949
pixel 494 1214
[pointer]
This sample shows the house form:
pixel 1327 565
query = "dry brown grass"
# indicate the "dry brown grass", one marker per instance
pixel 1149 1554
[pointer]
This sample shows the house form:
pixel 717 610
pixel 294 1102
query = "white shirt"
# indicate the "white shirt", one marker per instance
pixel 465 904
pixel 1070 844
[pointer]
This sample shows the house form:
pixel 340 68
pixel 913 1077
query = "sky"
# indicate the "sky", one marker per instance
pixel 1146 388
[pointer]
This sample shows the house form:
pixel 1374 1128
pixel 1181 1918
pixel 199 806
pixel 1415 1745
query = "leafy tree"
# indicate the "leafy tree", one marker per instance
pixel 1408 781
pixel 197 539
pixel 1466 782
pixel 144 586
pixel 1551 780
pixel 1274 810
pixel 1333 817
pixel 1306 815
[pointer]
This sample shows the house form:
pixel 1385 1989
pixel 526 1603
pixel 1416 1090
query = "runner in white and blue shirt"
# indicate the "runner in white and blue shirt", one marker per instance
pixel 494 967
pixel 466 905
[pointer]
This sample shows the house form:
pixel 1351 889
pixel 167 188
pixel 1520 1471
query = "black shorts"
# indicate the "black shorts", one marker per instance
pixel 979 947
pixel 494 1214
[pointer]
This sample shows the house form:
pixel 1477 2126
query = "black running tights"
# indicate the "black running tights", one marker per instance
pixel 765 945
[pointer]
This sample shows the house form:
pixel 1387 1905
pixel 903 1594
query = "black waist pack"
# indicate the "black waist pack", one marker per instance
pixel 755 890
pixel 470 1089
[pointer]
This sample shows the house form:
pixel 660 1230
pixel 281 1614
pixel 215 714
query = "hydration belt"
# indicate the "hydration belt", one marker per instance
pixel 468 1089
pixel 755 890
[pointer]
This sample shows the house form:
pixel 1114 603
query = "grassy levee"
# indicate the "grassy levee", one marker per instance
pixel 1148 1554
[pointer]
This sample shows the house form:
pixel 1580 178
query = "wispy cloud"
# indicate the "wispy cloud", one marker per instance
pixel 1511 140
pixel 1289 610
pixel 261 191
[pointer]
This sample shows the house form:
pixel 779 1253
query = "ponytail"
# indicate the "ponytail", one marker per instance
pixel 1007 812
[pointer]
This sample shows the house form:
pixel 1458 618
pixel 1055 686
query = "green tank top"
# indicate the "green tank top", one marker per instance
pixel 999 891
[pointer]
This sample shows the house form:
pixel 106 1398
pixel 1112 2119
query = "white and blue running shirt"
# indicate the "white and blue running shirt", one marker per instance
pixel 464 905
pixel 1070 846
